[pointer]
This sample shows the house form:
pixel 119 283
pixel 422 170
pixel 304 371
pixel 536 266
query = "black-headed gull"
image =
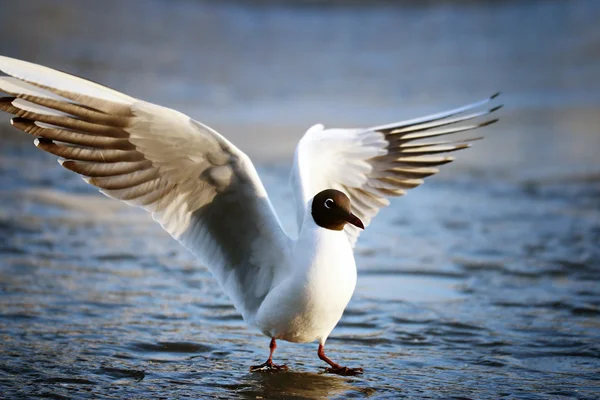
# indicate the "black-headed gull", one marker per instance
pixel 207 194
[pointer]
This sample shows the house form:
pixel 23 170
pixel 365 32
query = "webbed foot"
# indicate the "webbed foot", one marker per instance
pixel 344 371
pixel 268 366
pixel 335 368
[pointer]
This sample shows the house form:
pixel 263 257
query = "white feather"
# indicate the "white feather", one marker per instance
pixel 38 74
pixel 28 106
pixel 14 86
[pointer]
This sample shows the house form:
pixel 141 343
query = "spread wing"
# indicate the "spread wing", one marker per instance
pixel 202 189
pixel 372 164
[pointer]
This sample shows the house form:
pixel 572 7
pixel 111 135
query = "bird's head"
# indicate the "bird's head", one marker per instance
pixel 331 210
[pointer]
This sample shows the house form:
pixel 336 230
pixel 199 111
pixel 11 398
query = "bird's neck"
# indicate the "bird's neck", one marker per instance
pixel 324 266
pixel 316 243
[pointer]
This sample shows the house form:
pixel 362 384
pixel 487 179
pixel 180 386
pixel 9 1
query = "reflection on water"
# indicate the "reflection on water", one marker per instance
pixel 480 284
pixel 297 384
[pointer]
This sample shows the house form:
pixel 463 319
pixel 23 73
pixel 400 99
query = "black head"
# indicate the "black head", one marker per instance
pixel 331 210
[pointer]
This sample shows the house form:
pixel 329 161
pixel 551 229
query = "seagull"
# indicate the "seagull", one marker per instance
pixel 206 193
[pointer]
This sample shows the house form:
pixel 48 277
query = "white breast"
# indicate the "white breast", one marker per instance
pixel 308 303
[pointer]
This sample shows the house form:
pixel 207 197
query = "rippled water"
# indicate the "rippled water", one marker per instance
pixel 483 283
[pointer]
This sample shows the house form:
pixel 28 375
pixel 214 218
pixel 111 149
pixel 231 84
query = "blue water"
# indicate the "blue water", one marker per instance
pixel 483 283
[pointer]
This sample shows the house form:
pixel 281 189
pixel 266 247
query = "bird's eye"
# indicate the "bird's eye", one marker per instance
pixel 328 203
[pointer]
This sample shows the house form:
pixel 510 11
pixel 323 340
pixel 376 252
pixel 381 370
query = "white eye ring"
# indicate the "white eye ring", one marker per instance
pixel 328 203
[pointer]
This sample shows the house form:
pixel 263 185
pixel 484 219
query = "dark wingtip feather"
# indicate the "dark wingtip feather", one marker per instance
pixel 20 121
pixel 7 99
pixel 42 142
pixel 486 123
pixel 24 124
pixel 496 108
pixel 495 95
pixel 470 140
pixel 6 105
pixel 69 164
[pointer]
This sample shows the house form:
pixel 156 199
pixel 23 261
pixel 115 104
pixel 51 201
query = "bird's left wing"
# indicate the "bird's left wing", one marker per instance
pixel 202 189
pixel 371 164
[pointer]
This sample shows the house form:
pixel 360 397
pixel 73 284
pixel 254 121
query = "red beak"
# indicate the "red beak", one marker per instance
pixel 354 220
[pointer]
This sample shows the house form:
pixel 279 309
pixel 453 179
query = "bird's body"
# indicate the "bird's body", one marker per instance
pixel 207 194
pixel 308 303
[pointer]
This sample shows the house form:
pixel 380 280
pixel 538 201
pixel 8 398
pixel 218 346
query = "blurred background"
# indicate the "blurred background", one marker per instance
pixel 481 283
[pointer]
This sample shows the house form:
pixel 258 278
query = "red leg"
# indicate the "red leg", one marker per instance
pixel 336 368
pixel 268 365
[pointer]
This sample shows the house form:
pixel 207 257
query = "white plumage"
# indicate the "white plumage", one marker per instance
pixel 207 194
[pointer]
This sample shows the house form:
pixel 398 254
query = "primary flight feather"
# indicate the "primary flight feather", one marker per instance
pixel 207 194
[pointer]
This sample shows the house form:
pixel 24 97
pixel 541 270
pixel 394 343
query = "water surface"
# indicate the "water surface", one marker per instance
pixel 483 283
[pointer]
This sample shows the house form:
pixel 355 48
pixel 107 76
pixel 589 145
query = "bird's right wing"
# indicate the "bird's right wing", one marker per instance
pixel 202 189
pixel 371 164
